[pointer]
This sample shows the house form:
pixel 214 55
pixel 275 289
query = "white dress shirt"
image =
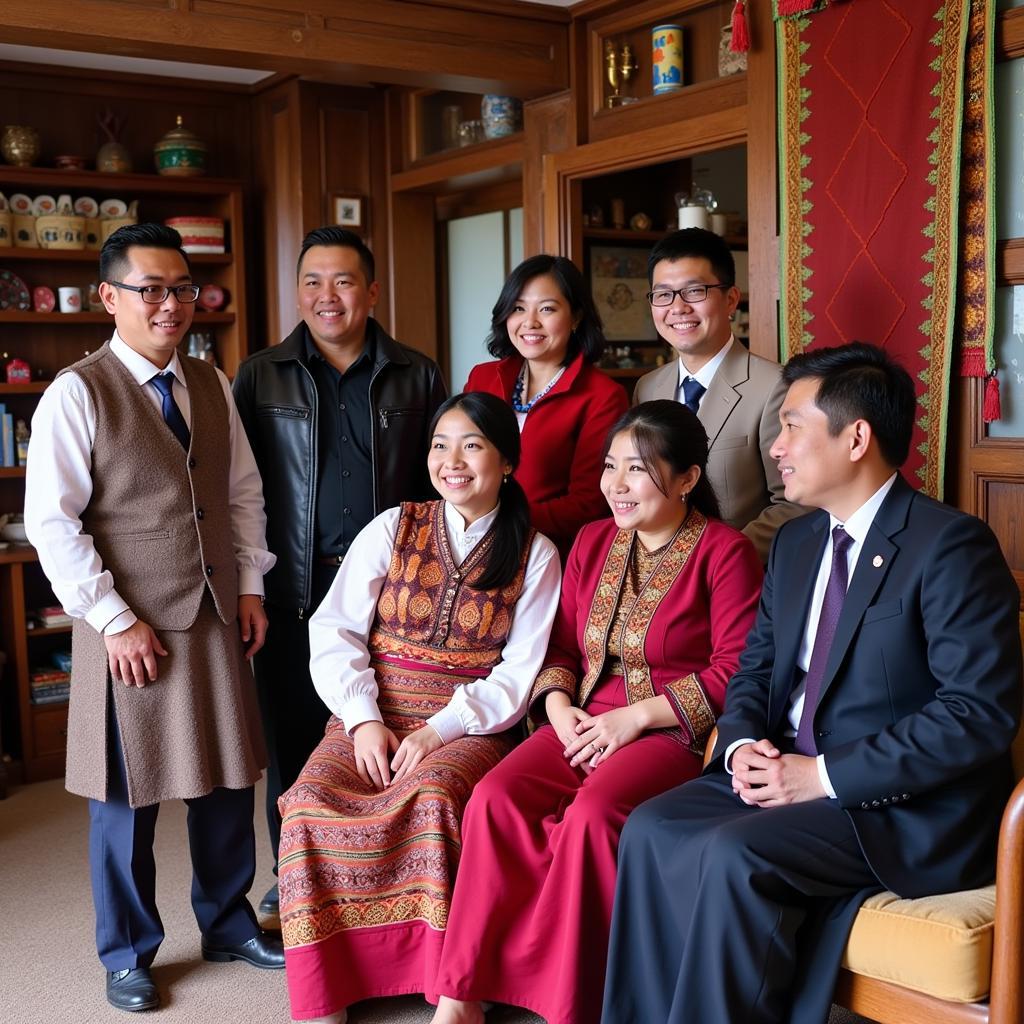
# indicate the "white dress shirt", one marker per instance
pixel 340 662
pixel 856 527
pixel 58 487
pixel 705 374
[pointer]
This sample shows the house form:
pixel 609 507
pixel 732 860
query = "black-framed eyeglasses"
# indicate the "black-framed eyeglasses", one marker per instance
pixel 691 294
pixel 157 293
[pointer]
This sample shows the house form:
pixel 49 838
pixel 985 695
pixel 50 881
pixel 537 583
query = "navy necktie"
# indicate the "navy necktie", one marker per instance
pixel 693 391
pixel 163 382
pixel 835 595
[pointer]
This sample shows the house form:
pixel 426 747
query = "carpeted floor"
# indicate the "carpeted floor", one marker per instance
pixel 49 973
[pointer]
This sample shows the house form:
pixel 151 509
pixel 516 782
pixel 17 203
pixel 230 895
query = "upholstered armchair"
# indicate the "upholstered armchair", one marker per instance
pixel 949 959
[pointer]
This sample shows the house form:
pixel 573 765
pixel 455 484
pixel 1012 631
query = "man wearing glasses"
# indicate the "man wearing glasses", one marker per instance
pixel 146 508
pixel 735 394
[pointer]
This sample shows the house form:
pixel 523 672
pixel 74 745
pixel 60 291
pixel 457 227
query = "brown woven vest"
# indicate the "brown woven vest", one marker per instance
pixel 428 609
pixel 159 517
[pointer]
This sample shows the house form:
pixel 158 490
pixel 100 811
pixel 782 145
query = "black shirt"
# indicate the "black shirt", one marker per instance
pixel 344 502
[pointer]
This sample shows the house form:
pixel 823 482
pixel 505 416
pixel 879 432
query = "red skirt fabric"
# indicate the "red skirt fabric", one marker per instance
pixel 532 906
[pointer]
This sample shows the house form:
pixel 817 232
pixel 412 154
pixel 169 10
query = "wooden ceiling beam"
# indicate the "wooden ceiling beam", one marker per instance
pixel 469 46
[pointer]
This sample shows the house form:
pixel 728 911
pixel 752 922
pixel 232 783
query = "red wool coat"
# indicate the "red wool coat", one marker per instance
pixel 563 443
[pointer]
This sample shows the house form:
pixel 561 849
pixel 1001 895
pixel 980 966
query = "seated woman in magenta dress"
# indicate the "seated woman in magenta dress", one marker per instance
pixel 546 334
pixel 424 649
pixel 655 609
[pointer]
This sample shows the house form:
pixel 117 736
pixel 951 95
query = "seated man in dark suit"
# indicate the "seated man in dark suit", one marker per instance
pixel 864 742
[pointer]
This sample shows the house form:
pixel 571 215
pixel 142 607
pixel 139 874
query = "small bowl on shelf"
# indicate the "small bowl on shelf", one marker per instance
pixel 12 528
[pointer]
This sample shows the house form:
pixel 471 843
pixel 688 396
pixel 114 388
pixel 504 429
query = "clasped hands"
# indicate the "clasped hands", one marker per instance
pixel 589 740
pixel 132 653
pixel 374 742
pixel 762 776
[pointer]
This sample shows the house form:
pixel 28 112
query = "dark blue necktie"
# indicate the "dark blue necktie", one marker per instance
pixel 693 391
pixel 163 382
pixel 835 595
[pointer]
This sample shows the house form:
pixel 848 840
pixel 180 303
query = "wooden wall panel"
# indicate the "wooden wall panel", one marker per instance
pixel 549 127
pixel 1002 507
pixel 414 271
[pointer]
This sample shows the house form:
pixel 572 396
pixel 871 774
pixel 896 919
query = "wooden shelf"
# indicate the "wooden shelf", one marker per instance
pixel 472 166
pixel 47 630
pixel 11 471
pixel 32 387
pixel 18 553
pixel 623 235
pixel 626 372
pixel 17 316
pixel 93 255
pixel 122 185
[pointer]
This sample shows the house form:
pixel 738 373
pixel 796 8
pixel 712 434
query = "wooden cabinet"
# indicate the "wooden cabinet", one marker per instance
pixel 51 341
pixel 42 728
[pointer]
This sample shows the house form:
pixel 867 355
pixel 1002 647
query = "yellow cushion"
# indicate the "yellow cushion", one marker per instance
pixel 939 945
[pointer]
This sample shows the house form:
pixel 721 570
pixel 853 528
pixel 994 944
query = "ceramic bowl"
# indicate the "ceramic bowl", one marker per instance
pixel 14 532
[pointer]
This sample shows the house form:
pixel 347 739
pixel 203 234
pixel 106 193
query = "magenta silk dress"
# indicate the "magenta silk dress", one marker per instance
pixel 532 907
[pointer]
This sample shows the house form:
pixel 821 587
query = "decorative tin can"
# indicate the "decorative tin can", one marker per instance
pixel 666 58
pixel 180 152
pixel 502 115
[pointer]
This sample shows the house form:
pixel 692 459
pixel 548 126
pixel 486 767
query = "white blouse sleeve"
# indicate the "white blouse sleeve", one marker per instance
pixel 496 701
pixel 339 661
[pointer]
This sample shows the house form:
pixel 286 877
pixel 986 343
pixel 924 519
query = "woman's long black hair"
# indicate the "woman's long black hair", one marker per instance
pixel 667 430
pixel 497 422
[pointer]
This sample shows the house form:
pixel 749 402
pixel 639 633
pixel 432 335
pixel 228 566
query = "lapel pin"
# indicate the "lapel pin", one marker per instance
pixel 877 561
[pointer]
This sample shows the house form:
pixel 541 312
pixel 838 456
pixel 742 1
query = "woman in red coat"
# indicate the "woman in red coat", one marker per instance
pixel 546 333
pixel 654 613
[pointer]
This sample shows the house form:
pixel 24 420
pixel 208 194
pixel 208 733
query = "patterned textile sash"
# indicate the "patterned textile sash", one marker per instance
pixel 410 692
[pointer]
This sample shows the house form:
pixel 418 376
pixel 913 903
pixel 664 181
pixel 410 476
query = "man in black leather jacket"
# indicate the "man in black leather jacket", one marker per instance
pixel 337 416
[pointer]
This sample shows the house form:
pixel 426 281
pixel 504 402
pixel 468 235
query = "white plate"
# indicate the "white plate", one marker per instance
pixel 86 206
pixel 113 208
pixel 3 203
pixel 44 205
pixel 20 203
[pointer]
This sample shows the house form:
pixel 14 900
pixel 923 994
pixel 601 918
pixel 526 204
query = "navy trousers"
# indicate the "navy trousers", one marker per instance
pixel 727 913
pixel 223 850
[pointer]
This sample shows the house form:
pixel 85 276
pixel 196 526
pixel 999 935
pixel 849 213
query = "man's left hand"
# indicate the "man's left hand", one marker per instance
pixel 763 781
pixel 252 622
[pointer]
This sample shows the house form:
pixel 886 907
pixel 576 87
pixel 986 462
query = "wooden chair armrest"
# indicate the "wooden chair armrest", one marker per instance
pixel 709 749
pixel 1007 998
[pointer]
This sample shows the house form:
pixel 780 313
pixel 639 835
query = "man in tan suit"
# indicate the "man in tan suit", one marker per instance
pixel 735 394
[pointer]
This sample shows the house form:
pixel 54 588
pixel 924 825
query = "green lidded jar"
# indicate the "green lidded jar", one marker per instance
pixel 180 152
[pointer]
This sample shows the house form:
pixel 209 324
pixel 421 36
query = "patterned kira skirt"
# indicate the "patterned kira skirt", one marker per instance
pixel 366 877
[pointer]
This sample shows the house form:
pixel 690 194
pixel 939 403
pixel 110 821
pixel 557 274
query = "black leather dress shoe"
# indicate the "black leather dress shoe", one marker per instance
pixel 265 949
pixel 271 903
pixel 132 989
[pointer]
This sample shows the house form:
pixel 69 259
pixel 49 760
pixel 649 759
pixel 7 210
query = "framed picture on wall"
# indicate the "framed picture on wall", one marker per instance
pixel 618 280
pixel 348 211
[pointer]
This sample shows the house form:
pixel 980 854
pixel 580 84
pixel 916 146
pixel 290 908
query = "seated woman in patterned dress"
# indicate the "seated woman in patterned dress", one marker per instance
pixel 655 609
pixel 424 649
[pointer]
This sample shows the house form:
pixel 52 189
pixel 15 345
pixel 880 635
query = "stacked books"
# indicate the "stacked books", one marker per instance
pixel 49 686
pixel 8 456
pixel 51 616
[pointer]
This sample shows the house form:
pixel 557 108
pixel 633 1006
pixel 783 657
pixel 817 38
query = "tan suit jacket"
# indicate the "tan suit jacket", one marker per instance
pixel 740 413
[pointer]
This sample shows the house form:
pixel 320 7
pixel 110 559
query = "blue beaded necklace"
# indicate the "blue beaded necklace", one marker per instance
pixel 517 390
